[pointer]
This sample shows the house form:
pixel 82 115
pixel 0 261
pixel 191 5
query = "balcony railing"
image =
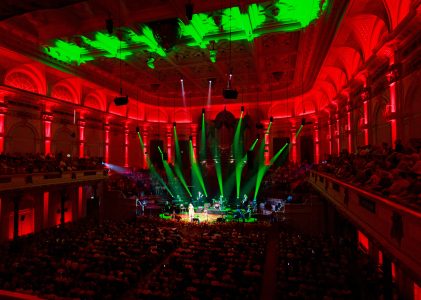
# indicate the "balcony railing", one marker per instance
pixel 395 227
pixel 25 181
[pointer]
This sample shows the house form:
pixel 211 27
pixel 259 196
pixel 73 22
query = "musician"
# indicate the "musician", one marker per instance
pixel 191 212
pixel 244 204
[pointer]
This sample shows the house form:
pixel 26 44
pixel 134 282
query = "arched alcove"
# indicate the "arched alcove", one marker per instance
pixel 21 138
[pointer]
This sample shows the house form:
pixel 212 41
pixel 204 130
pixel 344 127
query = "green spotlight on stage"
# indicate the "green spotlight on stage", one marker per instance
pixel 238 156
pixel 151 167
pixel 263 169
pixel 202 151
pixel 197 175
pixel 177 164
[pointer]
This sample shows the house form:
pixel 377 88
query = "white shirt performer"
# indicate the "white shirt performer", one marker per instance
pixel 191 212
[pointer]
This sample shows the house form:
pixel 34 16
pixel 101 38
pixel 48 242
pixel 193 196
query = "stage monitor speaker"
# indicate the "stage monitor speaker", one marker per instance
pixel 123 100
pixel 230 94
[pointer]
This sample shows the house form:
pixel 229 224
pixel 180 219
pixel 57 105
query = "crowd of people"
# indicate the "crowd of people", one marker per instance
pixel 86 260
pixel 219 262
pixel 323 267
pixel 393 173
pixel 29 163
pixel 149 258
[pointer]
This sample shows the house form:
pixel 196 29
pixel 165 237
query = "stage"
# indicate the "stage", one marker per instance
pixel 221 217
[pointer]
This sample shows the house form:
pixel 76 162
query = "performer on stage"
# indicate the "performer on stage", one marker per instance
pixel 245 200
pixel 191 212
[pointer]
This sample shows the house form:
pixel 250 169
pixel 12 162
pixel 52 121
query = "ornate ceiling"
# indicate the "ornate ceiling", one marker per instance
pixel 276 52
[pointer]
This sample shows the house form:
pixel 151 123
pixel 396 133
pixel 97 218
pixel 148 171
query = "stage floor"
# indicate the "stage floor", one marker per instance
pixel 206 218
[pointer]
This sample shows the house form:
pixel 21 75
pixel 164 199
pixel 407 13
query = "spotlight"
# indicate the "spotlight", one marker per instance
pixel 109 25
pixel 191 138
pixel 303 121
pixel 242 108
pixel 203 111
pixel 271 119
pixel 189 11
pixel 181 80
pixel 174 124
pixel 137 129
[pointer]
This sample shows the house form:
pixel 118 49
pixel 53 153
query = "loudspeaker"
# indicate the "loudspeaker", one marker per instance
pixel 118 101
pixel 230 94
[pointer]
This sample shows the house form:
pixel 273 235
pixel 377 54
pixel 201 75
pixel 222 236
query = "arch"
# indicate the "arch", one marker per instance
pixel 155 114
pixel 136 110
pixel 65 91
pixel 396 11
pixel 182 116
pixel 306 106
pixel 21 136
pixel 26 77
pixel 95 100
pixel 64 141
pixel 225 118
pixel 280 110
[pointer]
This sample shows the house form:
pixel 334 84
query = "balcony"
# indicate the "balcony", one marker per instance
pixel 396 228
pixel 27 181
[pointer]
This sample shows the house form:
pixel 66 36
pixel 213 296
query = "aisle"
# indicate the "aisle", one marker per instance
pixel 268 291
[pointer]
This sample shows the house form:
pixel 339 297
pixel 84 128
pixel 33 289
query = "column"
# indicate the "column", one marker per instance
pixel 293 143
pixel 3 111
pixel 193 128
pixel 47 118
pixel 80 202
pixel 126 147
pixel 107 142
pixel 45 209
pixel 81 125
pixel 337 134
pixel 169 142
pixel 365 96
pixel 145 146
pixel 348 129
pixel 16 200
pixel 331 134
pixel 392 77
pixel 316 142
pixel 267 142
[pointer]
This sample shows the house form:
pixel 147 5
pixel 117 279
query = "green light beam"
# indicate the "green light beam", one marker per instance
pixel 202 151
pixel 217 160
pixel 177 164
pixel 263 169
pixel 152 168
pixel 298 131
pixel 196 171
pixel 238 155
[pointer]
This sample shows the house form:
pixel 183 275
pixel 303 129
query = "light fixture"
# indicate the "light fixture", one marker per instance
pixel 271 119
pixel 203 111
pixel 137 129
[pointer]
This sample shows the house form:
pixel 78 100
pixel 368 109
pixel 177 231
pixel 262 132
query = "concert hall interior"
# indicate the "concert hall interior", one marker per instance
pixel 210 149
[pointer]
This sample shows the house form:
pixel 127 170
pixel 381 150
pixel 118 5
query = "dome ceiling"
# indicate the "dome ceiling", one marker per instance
pixel 277 47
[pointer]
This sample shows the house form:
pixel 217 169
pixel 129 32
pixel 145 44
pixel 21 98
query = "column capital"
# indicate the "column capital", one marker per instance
pixel 81 122
pixel 47 116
